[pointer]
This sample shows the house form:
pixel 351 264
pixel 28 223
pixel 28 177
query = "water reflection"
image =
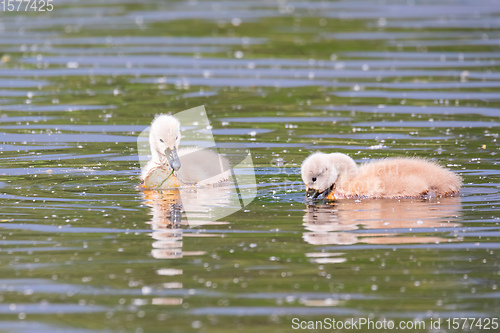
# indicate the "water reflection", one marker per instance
pixel 379 222
pixel 167 220
pixel 169 227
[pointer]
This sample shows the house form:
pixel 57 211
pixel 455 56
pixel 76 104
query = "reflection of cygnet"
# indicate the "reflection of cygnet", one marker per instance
pixel 324 218
pixel 383 221
pixel 168 244
pixel 336 175
pixel 321 221
pixel 325 238
pixel 166 210
pixel 202 205
pixel 170 167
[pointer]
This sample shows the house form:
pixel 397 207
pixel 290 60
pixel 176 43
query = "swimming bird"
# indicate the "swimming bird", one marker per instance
pixel 173 167
pixel 336 176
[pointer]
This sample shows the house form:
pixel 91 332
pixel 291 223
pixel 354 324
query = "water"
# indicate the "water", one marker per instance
pixel 83 250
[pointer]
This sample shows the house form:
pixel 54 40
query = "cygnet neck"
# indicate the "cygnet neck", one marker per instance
pixel 346 167
pixel 155 156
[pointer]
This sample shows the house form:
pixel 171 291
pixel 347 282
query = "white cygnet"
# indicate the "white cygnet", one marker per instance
pixel 173 167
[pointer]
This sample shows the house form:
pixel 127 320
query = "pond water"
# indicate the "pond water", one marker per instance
pixel 82 249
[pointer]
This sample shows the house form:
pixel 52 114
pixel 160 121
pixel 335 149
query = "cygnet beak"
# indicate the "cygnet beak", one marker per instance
pixel 313 194
pixel 173 158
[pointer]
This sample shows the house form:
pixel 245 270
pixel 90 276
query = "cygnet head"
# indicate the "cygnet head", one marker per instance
pixel 319 175
pixel 164 139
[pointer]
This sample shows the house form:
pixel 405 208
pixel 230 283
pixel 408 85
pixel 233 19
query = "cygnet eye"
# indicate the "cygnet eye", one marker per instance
pixel 161 140
pixel 314 179
pixel 176 138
